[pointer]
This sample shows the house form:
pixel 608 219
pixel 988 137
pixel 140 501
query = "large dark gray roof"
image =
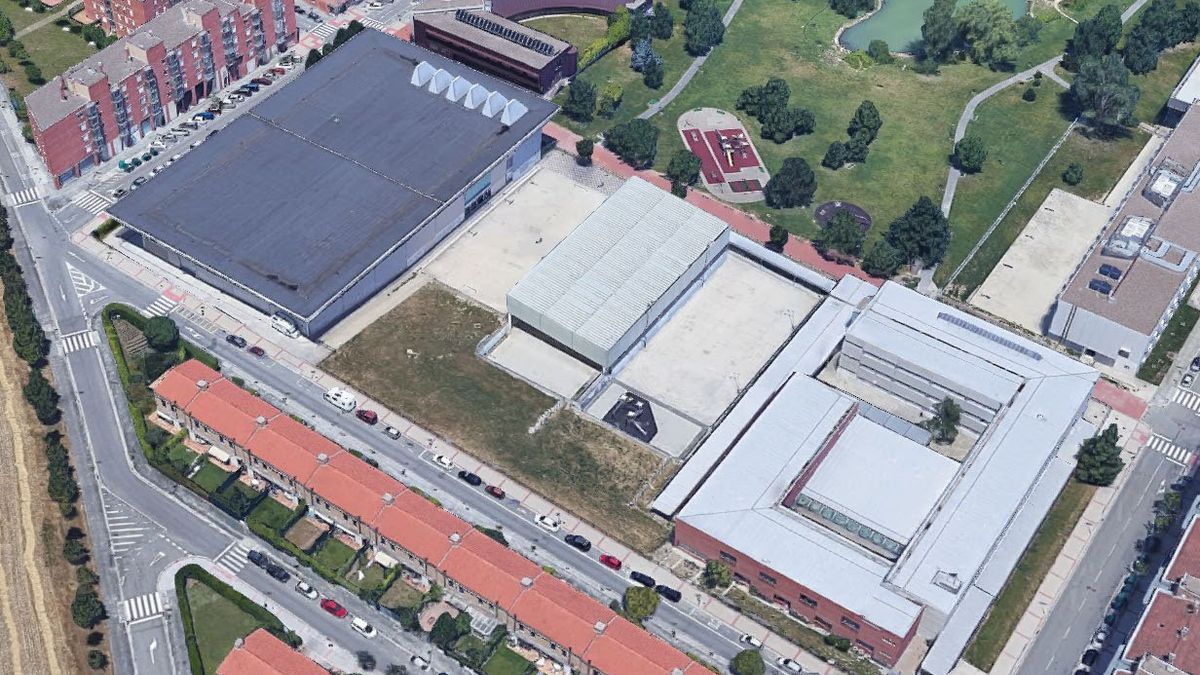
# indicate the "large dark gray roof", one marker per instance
pixel 308 189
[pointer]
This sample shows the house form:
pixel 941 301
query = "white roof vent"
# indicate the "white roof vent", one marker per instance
pixel 322 458
pixel 388 498
pixel 439 82
pixel 458 88
pixel 494 104
pixel 260 421
pixel 455 537
pixel 513 111
pixel 422 73
pixel 599 627
pixel 526 582
pixel 475 97
pixel 202 384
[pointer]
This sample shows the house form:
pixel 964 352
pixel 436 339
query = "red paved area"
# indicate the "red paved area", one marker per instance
pixel 741 152
pixel 708 165
pixel 800 250
pixel 1118 399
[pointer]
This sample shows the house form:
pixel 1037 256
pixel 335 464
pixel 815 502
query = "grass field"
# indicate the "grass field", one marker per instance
pixel 507 662
pixel 447 389
pixel 1158 84
pixel 210 477
pixel 333 554
pixel 51 49
pixel 271 514
pixel 1018 134
pixel 578 29
pixel 400 594
pixel 1027 575
pixel 218 623
pixel 21 18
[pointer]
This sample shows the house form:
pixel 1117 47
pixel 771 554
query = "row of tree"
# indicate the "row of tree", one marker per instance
pixel 919 236
pixel 982 30
pixel 863 129
pixel 353 28
pixel 643 29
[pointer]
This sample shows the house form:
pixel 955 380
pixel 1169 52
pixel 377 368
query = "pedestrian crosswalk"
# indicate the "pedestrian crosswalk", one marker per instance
pixel 26 196
pixel 161 306
pixel 1187 399
pixel 1172 451
pixel 77 341
pixel 91 201
pixel 141 607
pixel 372 23
pixel 234 558
pixel 324 31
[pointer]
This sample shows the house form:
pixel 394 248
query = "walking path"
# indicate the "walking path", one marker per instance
pixel 42 22
pixel 688 74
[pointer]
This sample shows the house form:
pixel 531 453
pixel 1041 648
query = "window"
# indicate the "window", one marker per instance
pixel 804 599
pixel 825 625
pixel 852 625
pixel 726 558
pixel 866 647
pixel 888 642
pixel 767 578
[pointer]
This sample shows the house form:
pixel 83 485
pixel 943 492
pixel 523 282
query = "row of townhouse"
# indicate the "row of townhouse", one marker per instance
pixel 113 99
pixel 540 610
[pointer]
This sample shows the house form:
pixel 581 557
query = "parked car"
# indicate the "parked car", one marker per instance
pixel 789 665
pixel 118 193
pixel 1187 379
pixel 147 156
pixel 279 322
pixel 362 626
pixel 748 639
pixel 1195 367
pixel 307 591
pixel 1089 657
pixel 257 351
pixel 196 143
pixel 158 143
pixel 368 416
pixel 257 557
pixel 158 169
pixel 392 433
pixel 547 523
pixel 138 182
pixel 443 461
pixel 236 340
pixel 188 124
pixel 578 541
pixel 278 572
pixel 610 561
pixel 494 491
pixel 418 661
pixel 262 81
pixel 470 478
pixel 643 579
pixel 669 593
pixel 330 605
pixel 279 70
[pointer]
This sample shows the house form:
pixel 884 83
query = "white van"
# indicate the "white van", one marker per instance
pixel 362 627
pixel 284 325
pixel 341 398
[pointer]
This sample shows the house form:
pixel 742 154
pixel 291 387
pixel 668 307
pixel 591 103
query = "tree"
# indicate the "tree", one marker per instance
pixel 842 235
pixel 639 603
pixel 882 260
pixel 610 99
pixel 662 23
pixel 652 74
pixel 1103 93
pixel 939 32
pixel 755 100
pixel 42 397
pixel 85 575
pixel 1141 52
pixel 851 8
pixel 866 121
pixel 835 156
pixel 1030 94
pixel 970 153
pixel 1099 458
pixel 702 28
pixel 747 662
pixel 161 333
pixel 879 52
pixel 96 659
pixel 34 74
pixel 1028 28
pixel 858 147
pixel 366 660
pixel 1096 36
pixel 988 29
pixel 444 631
pixel 583 149
pixel 635 142
pixel 581 100
pixel 314 55
pixel 643 54
pixel 86 608
pixel 781 124
pixel 922 233
pixel 717 573
pixel 679 189
pixel 793 185
pixel 640 28
pixel 1073 175
pixel 75 552
pixel 684 168
pixel 944 423
pixel 7 32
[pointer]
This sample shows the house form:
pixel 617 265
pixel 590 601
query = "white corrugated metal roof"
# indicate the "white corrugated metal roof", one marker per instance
pixel 599 280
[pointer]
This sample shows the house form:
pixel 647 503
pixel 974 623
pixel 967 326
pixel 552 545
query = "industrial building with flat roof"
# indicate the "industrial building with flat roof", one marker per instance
pixel 600 289
pixel 337 184
pixel 1122 296
pixel 838 512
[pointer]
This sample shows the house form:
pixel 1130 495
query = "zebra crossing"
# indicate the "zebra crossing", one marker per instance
pixel 91 201
pixel 161 306
pixel 1187 399
pixel 77 341
pixel 234 558
pixel 324 31
pixel 26 196
pixel 141 607
pixel 372 23
pixel 1172 451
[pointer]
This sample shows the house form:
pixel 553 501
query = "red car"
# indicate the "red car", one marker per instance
pixel 333 608
pixel 610 561
pixel 257 351
pixel 368 416
pixel 494 491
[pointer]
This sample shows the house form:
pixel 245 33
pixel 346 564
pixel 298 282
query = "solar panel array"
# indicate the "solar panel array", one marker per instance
pixel 1110 271
pixel 985 333
pixel 511 34
pixel 1100 286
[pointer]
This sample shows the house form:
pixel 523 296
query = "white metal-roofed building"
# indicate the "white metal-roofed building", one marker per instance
pixel 602 287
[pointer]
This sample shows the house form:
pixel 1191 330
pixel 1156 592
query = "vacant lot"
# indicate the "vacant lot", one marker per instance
pixel 419 360
pixel 578 29
pixel 218 623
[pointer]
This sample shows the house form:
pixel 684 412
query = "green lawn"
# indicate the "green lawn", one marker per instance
pixel 51 49
pixel 333 554
pixel 374 576
pixel 1027 576
pixel 1158 84
pixel 400 594
pixel 270 513
pixel 217 622
pixel 593 472
pixel 578 29
pixel 20 18
pixel 1158 362
pixel 1018 134
pixel 209 477
pixel 507 662
pixel 1104 162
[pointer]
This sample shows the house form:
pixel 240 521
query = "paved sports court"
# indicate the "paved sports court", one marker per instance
pixel 729 165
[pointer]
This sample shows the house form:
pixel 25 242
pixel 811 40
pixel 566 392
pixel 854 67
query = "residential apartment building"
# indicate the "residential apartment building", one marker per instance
pixel 282 455
pixel 122 17
pixel 110 101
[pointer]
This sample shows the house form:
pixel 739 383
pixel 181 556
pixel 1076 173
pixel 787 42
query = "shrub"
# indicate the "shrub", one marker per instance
pixel 75 552
pixel 879 51
pixel 639 603
pixel 747 662
pixel 42 397
pixel 609 99
pixel 1030 94
pixel 1073 175
pixel 969 154
pixel 96 659
pixel 635 142
pixel 839 643
pixel 583 149
pixel 86 609
pixel 716 573
pixel 161 333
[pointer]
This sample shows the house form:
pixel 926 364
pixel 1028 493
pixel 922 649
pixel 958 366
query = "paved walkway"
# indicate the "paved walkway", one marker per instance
pixel 692 69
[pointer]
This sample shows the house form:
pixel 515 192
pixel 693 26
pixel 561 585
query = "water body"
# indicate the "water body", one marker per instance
pixel 899 24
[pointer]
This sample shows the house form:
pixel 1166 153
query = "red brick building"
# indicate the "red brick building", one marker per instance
pixel 1167 638
pixel 112 100
pixel 122 17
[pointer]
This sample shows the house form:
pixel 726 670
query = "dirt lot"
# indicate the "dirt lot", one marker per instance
pixel 419 360
pixel 36 583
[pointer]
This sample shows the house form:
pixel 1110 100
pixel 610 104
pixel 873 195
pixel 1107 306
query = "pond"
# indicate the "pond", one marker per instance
pixel 899 24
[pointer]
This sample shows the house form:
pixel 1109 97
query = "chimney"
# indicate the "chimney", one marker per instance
pixel 202 384
pixel 322 458
pixel 388 498
pixel 455 537
pixel 599 627
pixel 238 643
pixel 260 421
pixel 526 582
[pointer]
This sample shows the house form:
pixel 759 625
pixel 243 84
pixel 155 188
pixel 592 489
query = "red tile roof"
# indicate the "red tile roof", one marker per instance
pixel 178 384
pixel 264 654
pixel 553 607
pixel 415 524
pixel 281 452
pixel 1170 625
pixel 1187 556
pixel 344 492
pixel 625 648
pixel 489 569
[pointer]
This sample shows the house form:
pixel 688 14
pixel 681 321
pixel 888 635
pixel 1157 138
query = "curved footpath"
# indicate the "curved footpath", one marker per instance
pixel 691 71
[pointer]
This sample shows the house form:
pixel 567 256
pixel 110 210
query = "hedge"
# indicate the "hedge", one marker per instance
pixel 260 614
pixel 615 36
